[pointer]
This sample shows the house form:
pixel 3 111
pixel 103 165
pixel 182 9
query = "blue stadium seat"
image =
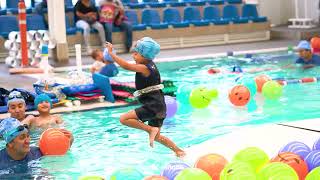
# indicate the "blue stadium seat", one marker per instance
pixel 8 24
pixel 234 1
pixel 215 2
pixel 154 3
pixel 172 17
pixel 35 22
pixel 3 11
pixel 70 30
pixel 68 5
pixel 151 18
pixel 250 11
pixel 192 15
pixel 212 14
pixel 174 3
pixel 230 12
pixel 12 6
pixel 133 19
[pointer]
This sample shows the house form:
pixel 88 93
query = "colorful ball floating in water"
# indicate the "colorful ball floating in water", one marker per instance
pixel 200 98
pixel 296 147
pixel 294 161
pixel 213 164
pixel 239 95
pixel 314 174
pixel 91 177
pixel 193 174
pixel 253 156
pixel 54 142
pixel 173 169
pixel 277 170
pixel 260 81
pixel 313 159
pixel 155 177
pixel 272 90
pixel 172 106
pixel 237 170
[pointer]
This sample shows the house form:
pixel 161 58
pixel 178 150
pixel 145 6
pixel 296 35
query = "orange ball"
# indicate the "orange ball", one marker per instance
pixel 239 95
pixel 315 44
pixel 295 161
pixel 54 142
pixel 213 164
pixel 260 80
pixel 155 177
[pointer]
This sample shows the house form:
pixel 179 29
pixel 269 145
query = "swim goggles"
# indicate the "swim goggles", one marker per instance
pixel 15 94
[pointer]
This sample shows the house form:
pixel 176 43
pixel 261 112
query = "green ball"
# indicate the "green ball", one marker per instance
pixel 126 174
pixel 237 170
pixel 290 48
pixel 272 90
pixel 212 93
pixel 253 156
pixel 91 177
pixel 192 174
pixel 314 174
pixel 200 98
pixel 277 171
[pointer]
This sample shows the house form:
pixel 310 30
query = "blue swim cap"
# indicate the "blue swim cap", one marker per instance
pixel 15 96
pixel 42 98
pixel 106 55
pixel 147 47
pixel 304 45
pixel 10 128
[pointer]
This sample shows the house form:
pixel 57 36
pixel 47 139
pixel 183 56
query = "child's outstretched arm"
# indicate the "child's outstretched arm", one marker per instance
pixel 125 65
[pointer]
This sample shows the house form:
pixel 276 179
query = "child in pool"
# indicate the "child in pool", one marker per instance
pixel 149 94
pixel 237 69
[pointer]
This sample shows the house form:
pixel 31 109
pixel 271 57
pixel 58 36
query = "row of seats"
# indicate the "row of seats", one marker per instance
pixel 135 4
pixel 12 7
pixel 151 18
pixel 192 15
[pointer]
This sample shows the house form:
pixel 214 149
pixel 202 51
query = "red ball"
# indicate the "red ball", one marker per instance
pixel 293 160
pixel 54 142
pixel 260 80
pixel 213 164
pixel 239 95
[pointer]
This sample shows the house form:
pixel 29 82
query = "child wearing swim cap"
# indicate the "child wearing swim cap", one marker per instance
pixel 150 96
pixel 103 64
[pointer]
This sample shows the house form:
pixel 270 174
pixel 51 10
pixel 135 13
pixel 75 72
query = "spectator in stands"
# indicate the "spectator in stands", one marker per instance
pixel 104 63
pixel 86 15
pixel 17 153
pixel 17 107
pixel 40 9
pixel 118 21
pixel 306 58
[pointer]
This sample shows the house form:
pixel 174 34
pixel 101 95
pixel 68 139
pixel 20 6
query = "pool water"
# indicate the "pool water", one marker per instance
pixel 102 145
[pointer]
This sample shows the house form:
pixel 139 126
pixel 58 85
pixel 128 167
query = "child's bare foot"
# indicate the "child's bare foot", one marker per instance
pixel 152 135
pixel 180 153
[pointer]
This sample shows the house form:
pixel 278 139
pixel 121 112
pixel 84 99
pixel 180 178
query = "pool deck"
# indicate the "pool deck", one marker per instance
pixel 270 138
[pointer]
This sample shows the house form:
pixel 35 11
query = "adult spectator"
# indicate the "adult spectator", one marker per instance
pixel 86 15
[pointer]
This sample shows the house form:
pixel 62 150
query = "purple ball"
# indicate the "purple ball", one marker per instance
pixel 172 106
pixel 173 169
pixel 313 159
pixel 316 145
pixel 298 148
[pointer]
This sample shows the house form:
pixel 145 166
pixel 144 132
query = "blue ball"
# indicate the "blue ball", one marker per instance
pixel 313 159
pixel 316 145
pixel 183 94
pixel 173 169
pixel 298 148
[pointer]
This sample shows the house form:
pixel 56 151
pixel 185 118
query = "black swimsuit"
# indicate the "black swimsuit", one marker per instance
pixel 153 107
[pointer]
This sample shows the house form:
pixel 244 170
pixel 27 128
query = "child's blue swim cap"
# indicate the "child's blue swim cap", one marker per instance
pixel 304 45
pixel 147 47
pixel 42 98
pixel 106 55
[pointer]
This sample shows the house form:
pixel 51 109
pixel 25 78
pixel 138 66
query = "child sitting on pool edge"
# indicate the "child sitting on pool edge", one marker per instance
pixel 103 64
pixel 149 93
